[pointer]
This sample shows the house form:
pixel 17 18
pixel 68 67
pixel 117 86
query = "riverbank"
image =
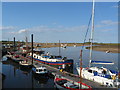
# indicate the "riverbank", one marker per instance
pixel 107 48
pixel 49 45
pixel 110 47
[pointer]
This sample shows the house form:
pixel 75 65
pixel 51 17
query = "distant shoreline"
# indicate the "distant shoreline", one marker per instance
pixel 111 47
pixel 102 47
pixel 106 48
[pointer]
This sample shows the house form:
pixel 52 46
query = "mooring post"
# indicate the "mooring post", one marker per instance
pixel 32 60
pixel 14 44
pixel 32 47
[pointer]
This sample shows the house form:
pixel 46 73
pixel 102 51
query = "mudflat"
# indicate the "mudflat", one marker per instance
pixel 106 48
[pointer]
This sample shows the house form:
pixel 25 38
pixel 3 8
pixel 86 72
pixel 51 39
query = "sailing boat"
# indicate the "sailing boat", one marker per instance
pixel 101 75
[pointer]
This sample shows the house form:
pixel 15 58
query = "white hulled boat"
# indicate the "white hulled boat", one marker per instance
pixel 25 63
pixel 39 70
pixel 41 57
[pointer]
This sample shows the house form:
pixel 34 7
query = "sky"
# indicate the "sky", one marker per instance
pixel 53 21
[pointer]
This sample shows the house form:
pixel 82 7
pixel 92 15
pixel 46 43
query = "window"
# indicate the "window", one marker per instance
pixel 90 71
pixel 36 70
pixel 40 70
pixel 45 70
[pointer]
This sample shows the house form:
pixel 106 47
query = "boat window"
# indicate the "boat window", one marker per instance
pixel 74 86
pixel 90 71
pixel 40 70
pixel 104 72
pixel 45 70
pixel 52 57
pixel 61 82
pixel 36 70
pixel 64 58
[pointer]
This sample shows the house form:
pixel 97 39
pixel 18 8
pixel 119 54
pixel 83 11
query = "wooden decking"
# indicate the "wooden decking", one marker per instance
pixel 73 77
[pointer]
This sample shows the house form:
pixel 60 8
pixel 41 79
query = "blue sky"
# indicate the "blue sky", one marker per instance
pixel 54 21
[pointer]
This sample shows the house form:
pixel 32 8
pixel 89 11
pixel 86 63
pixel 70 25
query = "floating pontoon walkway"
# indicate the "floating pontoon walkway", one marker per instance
pixel 73 77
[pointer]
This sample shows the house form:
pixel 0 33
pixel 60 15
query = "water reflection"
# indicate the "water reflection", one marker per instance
pixel 18 77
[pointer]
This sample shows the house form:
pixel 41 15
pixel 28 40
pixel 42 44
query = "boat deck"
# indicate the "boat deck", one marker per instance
pixel 73 77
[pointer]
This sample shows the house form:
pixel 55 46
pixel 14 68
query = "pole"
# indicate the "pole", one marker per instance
pixel 32 60
pixel 80 68
pixel 32 47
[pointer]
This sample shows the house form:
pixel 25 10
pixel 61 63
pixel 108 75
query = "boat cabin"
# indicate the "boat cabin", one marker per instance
pixel 39 52
pixel 39 70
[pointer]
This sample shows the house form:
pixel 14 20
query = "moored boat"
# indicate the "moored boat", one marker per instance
pixel 9 55
pixel 16 58
pixel 101 75
pixel 66 84
pixel 39 70
pixel 41 57
pixel 25 64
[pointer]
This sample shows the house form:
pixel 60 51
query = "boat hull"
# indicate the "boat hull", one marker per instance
pixel 62 87
pixel 99 79
pixel 69 62
pixel 26 66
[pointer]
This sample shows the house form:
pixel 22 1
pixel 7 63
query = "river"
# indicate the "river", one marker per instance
pixel 15 77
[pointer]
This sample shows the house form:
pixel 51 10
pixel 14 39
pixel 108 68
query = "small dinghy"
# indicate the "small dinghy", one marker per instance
pixel 39 70
pixel 65 84
pixel 25 64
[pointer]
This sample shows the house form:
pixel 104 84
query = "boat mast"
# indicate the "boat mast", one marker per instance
pixel 26 44
pixel 92 31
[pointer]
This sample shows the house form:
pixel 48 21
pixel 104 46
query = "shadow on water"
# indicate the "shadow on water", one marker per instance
pixel 18 77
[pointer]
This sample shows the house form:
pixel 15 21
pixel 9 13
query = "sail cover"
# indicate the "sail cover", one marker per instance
pixel 100 62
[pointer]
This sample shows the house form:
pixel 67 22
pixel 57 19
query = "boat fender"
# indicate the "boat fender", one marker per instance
pixel 61 70
pixel 86 67
pixel 113 77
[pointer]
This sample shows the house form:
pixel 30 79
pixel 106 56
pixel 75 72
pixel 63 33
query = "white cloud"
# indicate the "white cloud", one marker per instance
pixel 109 22
pixel 106 30
pixel 58 28
pixel 7 27
pixel 21 31
pixel 106 23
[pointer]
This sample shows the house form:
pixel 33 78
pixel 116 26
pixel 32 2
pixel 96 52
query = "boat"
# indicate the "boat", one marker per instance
pixel 74 45
pixel 9 55
pixel 25 64
pixel 39 70
pixel 102 75
pixel 64 45
pixel 16 58
pixel 40 56
pixel 66 84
